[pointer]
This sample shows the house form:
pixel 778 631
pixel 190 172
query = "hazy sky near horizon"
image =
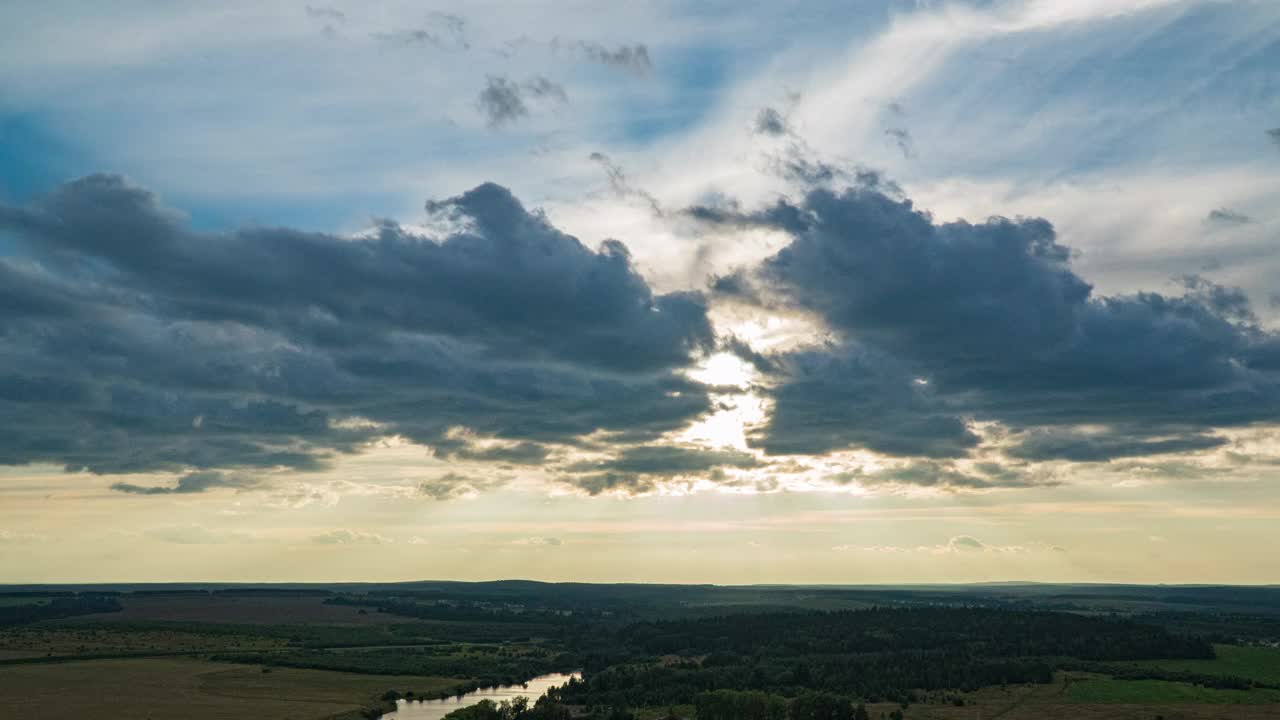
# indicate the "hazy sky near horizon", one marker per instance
pixel 809 292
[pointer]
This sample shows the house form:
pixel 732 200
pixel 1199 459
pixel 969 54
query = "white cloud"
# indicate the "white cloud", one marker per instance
pixel 548 541
pixel 350 537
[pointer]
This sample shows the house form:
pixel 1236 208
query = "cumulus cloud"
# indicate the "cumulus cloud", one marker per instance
pixel 349 537
pixel 966 543
pixel 839 398
pixel 132 343
pixel 544 541
pixel 934 326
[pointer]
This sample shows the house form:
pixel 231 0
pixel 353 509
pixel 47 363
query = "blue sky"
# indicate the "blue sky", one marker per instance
pixel 296 133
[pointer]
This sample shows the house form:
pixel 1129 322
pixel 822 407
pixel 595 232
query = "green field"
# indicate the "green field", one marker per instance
pixel 1260 664
pixel 1103 690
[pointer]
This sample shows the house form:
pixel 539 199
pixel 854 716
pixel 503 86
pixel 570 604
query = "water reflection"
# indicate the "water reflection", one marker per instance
pixel 436 709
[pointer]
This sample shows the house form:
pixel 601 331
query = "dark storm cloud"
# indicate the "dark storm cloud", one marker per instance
pixel 770 122
pixel 669 461
pixel 191 483
pixel 1274 135
pixel 612 482
pixel 525 453
pixel 842 398
pixel 131 343
pixel 940 324
pixel 942 475
pixel 640 468
pixel 1227 216
pixel 1117 443
pixel 632 58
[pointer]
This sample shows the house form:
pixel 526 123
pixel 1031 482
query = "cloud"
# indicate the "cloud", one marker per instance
pixel 1227 216
pixel 943 475
pixel 350 537
pixel 1079 446
pixel 503 102
pixel 191 483
pixel 451 486
pixel 934 326
pixel 670 460
pixel 540 87
pixel 958 545
pixel 621 186
pixel 10 537
pixel 838 398
pixel 902 138
pixel 525 453
pixel 445 31
pixel 966 543
pixel 770 122
pixel 638 469
pixel 132 343
pixel 632 58
pixel 540 541
pixel 198 535
pixel 321 12
pixel 1274 135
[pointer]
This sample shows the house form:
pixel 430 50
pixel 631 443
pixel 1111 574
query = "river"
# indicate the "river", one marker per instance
pixel 436 709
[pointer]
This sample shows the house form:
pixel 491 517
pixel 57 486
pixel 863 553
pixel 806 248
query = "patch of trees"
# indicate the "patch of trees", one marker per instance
pixel 485 669
pixel 1138 672
pixel 517 709
pixel 56 608
pixel 731 705
pixel 883 654
pixel 454 612
pixel 984 632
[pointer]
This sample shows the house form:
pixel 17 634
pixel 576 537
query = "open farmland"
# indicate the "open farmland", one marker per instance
pixel 268 610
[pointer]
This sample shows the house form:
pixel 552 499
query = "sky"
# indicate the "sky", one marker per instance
pixel 870 291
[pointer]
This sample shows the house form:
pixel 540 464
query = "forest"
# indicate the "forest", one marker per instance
pixel 876 654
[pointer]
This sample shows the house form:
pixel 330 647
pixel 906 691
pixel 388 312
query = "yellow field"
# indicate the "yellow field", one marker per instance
pixel 145 689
